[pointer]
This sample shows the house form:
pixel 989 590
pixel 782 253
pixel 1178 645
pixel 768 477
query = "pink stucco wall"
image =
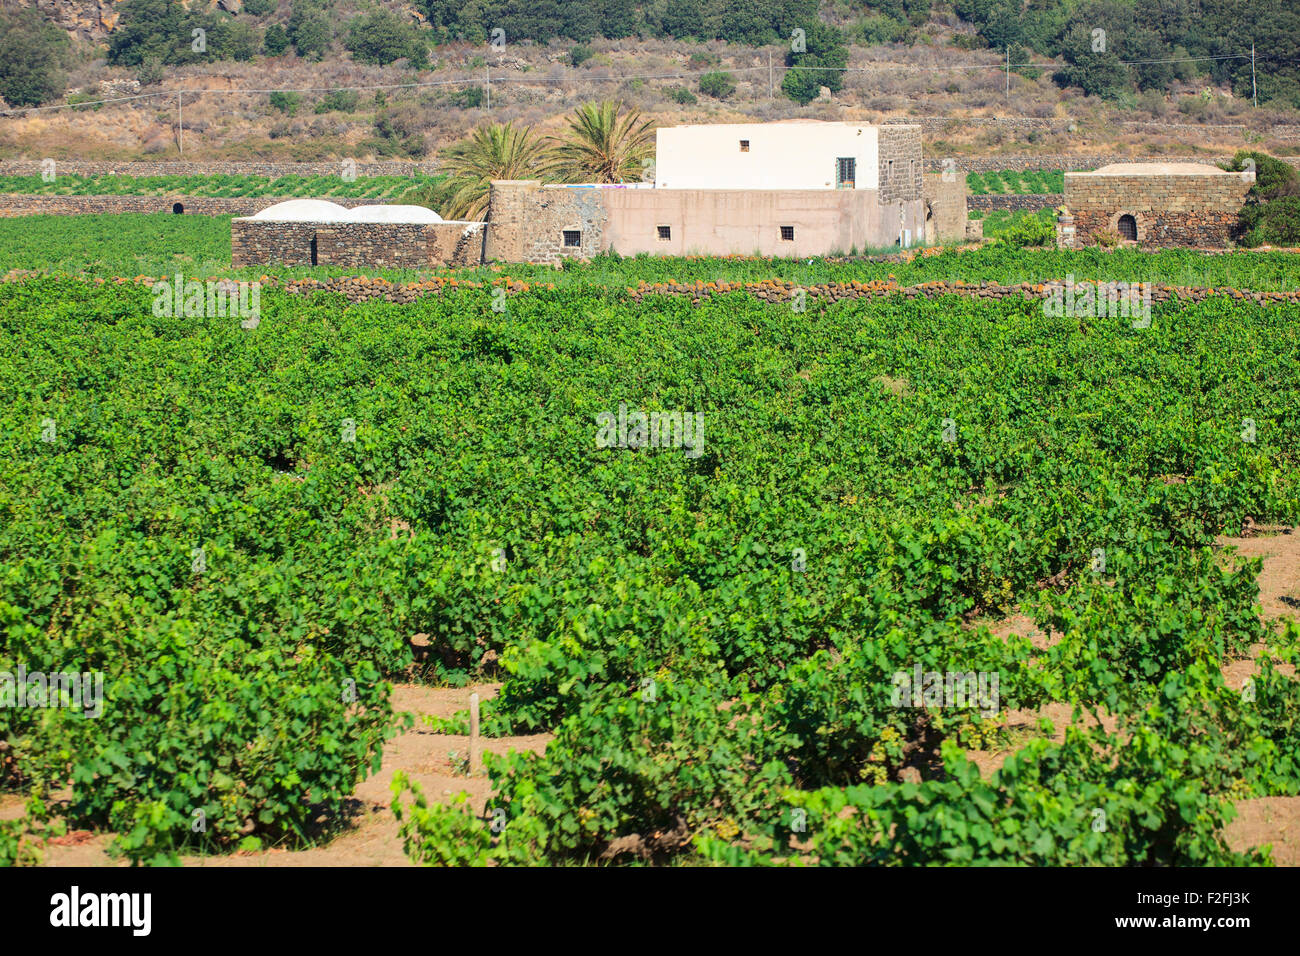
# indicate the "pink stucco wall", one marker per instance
pixel 744 222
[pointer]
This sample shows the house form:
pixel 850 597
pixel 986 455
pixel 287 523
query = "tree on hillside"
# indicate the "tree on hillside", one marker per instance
pixel 1096 72
pixel 605 144
pixel 381 37
pixel 31 57
pixel 821 64
pixel 310 31
pixel 496 151
pixel 152 30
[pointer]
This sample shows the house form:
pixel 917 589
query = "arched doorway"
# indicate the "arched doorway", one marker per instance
pixel 1127 228
pixel 177 208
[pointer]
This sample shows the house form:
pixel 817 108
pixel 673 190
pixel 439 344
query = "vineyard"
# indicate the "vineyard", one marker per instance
pixel 215 185
pixel 244 528
pixel 112 246
pixel 1021 182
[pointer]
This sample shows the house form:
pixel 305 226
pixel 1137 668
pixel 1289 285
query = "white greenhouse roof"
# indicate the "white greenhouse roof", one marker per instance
pixel 392 214
pixel 322 210
pixel 303 210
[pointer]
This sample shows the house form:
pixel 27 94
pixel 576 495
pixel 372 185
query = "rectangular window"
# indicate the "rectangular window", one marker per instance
pixel 665 232
pixel 744 146
pixel 787 233
pixel 846 172
pixel 572 238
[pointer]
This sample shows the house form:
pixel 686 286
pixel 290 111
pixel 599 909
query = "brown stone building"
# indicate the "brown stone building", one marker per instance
pixel 1157 204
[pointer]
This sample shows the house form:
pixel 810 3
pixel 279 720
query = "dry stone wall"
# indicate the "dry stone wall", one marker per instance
pixel 1068 161
pixel 355 244
pixel 1016 202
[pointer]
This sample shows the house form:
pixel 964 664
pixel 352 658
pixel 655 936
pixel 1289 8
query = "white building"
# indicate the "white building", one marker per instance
pixel 798 154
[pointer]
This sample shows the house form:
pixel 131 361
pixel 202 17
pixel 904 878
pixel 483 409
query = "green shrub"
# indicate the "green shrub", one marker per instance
pixel 285 102
pixel 344 101
pixel 717 85
pixel 381 37
pixel 276 40
pixel 1271 214
pixel 310 31
pixel 32 52
pixel 681 95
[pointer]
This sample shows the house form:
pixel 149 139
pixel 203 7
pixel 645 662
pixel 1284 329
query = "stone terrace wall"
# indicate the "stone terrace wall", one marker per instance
pixel 1068 161
pixel 76 167
pixel 1030 201
pixel 1169 210
pixel 356 244
pixel 14 204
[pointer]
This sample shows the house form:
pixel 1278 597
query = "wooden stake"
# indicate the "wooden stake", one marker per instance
pixel 473 734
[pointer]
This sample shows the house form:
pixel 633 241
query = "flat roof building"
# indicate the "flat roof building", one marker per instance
pixel 1157 204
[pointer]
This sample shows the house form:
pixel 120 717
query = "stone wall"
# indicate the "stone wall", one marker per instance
pixel 1068 161
pixel 901 164
pixel 945 208
pixel 1014 203
pixel 528 221
pixel 256 242
pixel 14 204
pixel 274 170
pixel 1170 210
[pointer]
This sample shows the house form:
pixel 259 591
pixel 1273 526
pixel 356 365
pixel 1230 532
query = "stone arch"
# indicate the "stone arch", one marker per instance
pixel 1129 225
pixel 178 208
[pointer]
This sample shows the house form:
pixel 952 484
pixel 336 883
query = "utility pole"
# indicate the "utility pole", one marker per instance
pixel 180 124
pixel 487 84
pixel 1008 72
pixel 1254 94
pixel 769 74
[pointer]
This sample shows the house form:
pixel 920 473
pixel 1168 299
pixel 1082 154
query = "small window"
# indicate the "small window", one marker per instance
pixel 665 232
pixel 1128 228
pixel 846 172
pixel 572 238
pixel 787 233
pixel 744 146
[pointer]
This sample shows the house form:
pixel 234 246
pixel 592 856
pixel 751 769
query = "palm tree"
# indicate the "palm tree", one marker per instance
pixel 603 146
pixel 495 151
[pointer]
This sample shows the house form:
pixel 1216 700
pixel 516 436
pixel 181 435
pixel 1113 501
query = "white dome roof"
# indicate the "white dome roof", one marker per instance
pixel 392 214
pixel 303 210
